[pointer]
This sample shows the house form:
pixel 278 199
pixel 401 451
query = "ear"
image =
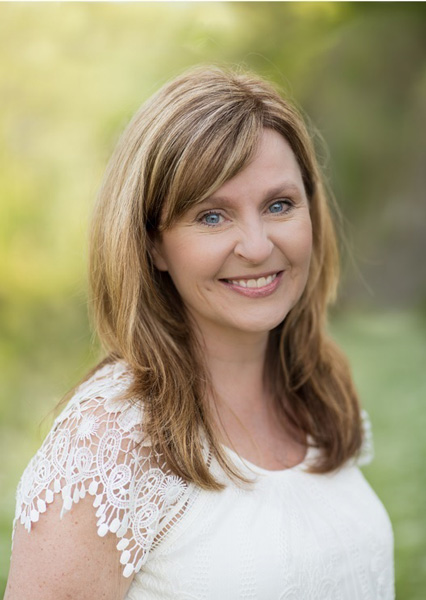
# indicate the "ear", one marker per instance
pixel 155 249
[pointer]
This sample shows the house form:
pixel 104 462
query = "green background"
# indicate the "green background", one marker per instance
pixel 71 76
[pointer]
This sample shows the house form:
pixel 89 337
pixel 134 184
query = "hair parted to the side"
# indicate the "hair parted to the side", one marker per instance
pixel 188 139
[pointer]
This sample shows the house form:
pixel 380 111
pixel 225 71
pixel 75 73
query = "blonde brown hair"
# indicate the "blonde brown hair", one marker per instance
pixel 188 139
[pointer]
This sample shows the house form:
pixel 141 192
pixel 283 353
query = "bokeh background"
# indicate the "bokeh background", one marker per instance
pixel 71 76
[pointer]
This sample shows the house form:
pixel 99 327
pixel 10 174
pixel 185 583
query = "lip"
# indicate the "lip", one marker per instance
pixel 266 290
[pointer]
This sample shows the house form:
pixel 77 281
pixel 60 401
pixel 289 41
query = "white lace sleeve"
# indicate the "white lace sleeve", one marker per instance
pixel 90 450
pixel 366 454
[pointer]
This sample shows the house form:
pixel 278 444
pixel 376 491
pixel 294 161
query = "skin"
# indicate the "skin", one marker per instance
pixel 64 559
pixel 257 223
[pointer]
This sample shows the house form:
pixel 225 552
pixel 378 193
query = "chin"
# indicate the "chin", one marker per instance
pixel 261 326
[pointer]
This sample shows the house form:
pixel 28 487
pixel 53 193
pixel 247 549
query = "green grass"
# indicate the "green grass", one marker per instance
pixel 388 356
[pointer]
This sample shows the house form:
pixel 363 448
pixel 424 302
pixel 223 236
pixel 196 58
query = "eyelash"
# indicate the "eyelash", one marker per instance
pixel 287 202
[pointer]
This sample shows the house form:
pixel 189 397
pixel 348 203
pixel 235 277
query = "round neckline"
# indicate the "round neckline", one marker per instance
pixel 311 451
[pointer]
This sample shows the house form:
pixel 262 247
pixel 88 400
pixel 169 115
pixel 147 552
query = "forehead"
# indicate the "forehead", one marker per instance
pixel 274 167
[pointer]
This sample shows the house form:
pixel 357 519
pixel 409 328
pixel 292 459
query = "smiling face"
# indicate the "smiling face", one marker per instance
pixel 240 259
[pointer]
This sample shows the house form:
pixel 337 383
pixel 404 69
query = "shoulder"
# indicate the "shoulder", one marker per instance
pixel 96 449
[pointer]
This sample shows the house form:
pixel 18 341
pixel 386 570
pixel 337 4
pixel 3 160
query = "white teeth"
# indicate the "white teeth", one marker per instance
pixel 254 283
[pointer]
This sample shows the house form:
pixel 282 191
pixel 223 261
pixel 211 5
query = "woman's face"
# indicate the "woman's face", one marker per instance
pixel 240 259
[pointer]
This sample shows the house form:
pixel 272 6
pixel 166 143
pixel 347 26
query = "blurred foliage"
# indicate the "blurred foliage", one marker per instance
pixel 388 353
pixel 71 76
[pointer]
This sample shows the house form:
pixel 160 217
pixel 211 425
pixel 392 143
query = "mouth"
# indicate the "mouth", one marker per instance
pixel 258 282
pixel 254 287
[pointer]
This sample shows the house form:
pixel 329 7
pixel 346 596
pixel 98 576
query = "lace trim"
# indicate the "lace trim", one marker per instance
pixel 91 450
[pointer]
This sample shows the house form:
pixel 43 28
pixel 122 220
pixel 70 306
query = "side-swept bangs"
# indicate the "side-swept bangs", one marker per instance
pixel 198 132
pixel 200 148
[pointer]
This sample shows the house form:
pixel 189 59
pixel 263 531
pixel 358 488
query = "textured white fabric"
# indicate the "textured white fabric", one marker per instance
pixel 92 449
pixel 290 536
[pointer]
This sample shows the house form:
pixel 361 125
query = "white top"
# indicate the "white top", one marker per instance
pixel 292 535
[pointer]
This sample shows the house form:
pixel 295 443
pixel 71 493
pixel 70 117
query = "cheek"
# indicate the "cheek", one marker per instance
pixel 297 243
pixel 190 260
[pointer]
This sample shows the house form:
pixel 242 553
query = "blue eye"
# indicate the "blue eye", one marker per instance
pixel 277 207
pixel 281 206
pixel 212 218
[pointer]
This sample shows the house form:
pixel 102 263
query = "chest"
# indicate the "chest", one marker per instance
pixel 271 448
pixel 293 536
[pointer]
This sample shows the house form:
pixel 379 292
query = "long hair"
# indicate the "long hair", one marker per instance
pixel 187 140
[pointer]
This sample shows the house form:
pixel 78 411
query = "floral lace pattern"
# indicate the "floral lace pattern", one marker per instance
pixel 91 450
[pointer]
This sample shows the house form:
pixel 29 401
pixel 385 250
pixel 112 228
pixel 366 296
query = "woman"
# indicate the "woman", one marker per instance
pixel 214 453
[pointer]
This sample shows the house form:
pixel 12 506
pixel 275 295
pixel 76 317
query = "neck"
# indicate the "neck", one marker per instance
pixel 236 364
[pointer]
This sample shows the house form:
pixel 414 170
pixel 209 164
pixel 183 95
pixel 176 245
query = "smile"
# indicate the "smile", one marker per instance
pixel 255 288
pixel 253 283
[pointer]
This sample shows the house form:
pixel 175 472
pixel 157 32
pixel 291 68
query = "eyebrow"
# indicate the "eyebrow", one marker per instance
pixel 279 190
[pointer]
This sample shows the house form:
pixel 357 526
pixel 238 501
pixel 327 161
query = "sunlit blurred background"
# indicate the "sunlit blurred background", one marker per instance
pixel 71 76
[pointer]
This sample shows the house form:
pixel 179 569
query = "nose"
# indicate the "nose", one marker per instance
pixel 253 244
